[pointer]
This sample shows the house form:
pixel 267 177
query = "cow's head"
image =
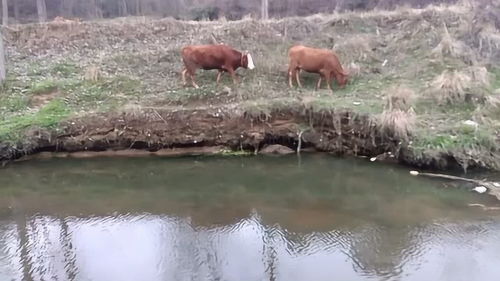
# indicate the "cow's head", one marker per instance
pixel 342 78
pixel 247 61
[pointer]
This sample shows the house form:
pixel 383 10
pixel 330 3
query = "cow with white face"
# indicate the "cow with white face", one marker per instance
pixel 220 57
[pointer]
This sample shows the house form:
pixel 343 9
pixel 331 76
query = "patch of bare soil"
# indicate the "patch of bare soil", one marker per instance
pixel 155 132
pixel 43 98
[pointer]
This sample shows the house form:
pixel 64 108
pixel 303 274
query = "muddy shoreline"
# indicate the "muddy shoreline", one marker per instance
pixel 197 132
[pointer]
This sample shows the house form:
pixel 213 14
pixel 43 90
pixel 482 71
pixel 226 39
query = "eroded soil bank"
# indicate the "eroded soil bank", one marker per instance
pixel 209 131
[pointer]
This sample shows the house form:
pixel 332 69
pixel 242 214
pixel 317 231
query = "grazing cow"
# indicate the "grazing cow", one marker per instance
pixel 322 61
pixel 220 57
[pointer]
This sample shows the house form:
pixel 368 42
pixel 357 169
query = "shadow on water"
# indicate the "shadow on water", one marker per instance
pixel 253 218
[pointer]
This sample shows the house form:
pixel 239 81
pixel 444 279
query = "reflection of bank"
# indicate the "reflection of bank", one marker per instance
pixel 152 247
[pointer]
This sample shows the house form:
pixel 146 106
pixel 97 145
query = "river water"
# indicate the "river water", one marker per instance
pixel 251 218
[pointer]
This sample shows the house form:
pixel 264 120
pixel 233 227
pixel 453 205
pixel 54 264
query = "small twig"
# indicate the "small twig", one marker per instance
pixel 485 208
pixel 493 188
pixel 160 116
pixel 299 146
pixel 450 177
pixel 132 144
pixel 214 39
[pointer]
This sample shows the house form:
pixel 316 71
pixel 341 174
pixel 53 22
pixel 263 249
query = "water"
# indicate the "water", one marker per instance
pixel 239 219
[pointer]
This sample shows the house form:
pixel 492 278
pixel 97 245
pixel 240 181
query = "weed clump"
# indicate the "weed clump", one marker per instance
pixel 398 118
pixel 399 97
pixel 449 46
pixel 43 87
pixel 92 73
pixel 453 87
pixel 358 48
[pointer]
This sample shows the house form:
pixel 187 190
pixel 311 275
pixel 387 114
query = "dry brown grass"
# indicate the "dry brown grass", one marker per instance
pixel 493 102
pixel 399 98
pixel 480 76
pixel 397 123
pixel 92 73
pixel 398 118
pixel 461 86
pixel 449 46
pixel 489 113
pixel 489 38
pixel 358 48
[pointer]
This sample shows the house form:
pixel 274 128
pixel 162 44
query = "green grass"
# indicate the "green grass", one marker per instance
pixel 456 137
pixel 64 69
pixel 43 87
pixel 43 69
pixel 73 97
pixel 48 116
pixel 104 94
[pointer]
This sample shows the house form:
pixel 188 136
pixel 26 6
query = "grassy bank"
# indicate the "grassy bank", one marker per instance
pixel 428 79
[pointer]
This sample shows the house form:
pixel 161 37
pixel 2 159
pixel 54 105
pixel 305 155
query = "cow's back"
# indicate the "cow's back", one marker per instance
pixel 309 59
pixel 207 56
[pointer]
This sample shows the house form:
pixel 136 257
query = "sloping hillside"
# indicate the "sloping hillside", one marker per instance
pixel 424 80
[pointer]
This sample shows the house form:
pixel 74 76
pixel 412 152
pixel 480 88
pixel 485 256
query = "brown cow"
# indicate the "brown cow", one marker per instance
pixel 322 61
pixel 220 57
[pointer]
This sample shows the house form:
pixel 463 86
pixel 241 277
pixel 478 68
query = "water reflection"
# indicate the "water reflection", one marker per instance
pixel 154 247
pixel 251 219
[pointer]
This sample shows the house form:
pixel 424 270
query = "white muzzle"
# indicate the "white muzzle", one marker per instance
pixel 250 64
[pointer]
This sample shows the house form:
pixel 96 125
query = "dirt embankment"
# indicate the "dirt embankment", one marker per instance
pixel 157 131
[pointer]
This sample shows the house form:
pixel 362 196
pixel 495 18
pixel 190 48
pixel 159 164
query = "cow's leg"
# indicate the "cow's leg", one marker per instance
pixel 219 75
pixel 233 75
pixel 193 82
pixel 318 85
pixel 184 81
pixel 297 77
pixel 323 74
pixel 291 75
pixel 329 77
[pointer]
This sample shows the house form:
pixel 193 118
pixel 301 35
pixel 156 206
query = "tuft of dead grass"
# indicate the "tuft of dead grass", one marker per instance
pixel 92 73
pixel 449 46
pixel 398 118
pixel 479 76
pixel 399 98
pixel 489 38
pixel 489 113
pixel 397 123
pixel 493 101
pixel 461 86
pixel 358 48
